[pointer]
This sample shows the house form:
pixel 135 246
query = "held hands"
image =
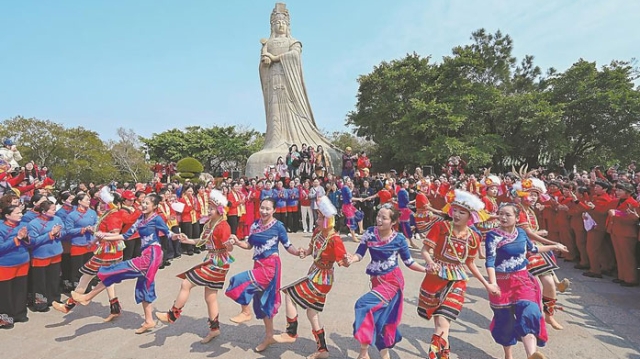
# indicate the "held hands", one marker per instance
pixel 561 247
pixel 432 267
pixel 302 253
pixel 233 239
pixel 89 229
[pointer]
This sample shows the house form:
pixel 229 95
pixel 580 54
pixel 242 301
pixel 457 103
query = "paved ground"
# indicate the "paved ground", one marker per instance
pixel 601 321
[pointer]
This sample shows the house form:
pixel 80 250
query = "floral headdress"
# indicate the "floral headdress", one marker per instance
pixel 467 201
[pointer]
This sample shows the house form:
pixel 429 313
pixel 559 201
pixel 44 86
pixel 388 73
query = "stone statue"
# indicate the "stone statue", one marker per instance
pixel 288 112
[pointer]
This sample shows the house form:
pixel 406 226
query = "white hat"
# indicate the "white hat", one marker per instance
pixel 326 207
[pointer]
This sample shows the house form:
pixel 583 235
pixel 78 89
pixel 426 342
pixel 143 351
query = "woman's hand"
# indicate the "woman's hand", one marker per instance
pixel 493 289
pixel 432 267
pixel 561 247
pixel 22 234
pixel 302 253
pixel 55 231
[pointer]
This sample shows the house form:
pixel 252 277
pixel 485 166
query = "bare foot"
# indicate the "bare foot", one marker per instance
pixel 145 327
pixel 241 318
pixel 563 285
pixel 265 344
pixel 111 317
pixel 212 334
pixel 552 322
pixel 319 355
pixel 60 307
pixel 80 298
pixel 284 338
pixel 163 317
pixel 537 355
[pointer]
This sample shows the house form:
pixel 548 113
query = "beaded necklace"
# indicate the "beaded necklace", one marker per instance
pixel 466 247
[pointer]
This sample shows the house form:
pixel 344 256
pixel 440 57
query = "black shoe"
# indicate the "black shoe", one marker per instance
pixel 189 253
pixel 580 266
pixel 167 263
pixel 177 257
pixel 196 251
pixel 616 280
pixel 6 326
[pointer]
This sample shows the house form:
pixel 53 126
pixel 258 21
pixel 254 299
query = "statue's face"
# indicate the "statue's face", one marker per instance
pixel 280 26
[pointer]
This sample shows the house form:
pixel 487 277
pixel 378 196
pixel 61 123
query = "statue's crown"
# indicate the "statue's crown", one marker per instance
pixel 280 9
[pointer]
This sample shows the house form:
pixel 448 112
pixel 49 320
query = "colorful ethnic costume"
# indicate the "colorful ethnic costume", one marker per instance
pixel 351 215
pixel 378 313
pixel 311 291
pixel 424 217
pixel 145 267
pixel 442 293
pixel 407 219
pixel 262 283
pixel 516 311
pixel 211 273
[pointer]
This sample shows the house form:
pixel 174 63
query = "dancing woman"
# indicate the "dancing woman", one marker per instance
pixel 378 313
pixel 310 292
pixel 514 293
pixel 211 273
pixel 541 265
pixel 454 246
pixel 262 283
pixel 143 268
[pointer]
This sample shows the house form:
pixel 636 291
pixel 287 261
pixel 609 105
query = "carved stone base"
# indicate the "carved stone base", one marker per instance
pixel 262 159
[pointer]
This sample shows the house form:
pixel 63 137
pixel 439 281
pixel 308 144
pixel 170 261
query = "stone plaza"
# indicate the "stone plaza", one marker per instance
pixel 600 319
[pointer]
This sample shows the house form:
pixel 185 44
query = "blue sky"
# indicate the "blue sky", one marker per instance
pixel 156 65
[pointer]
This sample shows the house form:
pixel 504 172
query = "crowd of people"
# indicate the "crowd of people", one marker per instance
pixel 83 241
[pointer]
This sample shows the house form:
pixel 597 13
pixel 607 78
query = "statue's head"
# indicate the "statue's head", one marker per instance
pixel 280 21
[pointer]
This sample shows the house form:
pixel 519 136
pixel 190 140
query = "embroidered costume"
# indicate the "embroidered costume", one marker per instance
pixel 517 310
pixel 442 293
pixel 211 273
pixel 262 283
pixel 145 267
pixel 378 313
pixel 311 291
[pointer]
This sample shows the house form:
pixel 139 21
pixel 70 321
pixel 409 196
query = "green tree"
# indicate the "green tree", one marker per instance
pixel 37 140
pixel 72 154
pixel 129 158
pixel 189 168
pixel 216 147
pixel 600 112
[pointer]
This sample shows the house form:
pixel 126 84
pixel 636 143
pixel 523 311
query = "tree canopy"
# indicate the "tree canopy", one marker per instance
pixel 483 104
pixel 215 147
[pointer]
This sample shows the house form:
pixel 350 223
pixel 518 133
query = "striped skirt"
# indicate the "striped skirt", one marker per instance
pixel 425 220
pixel 308 294
pixel 206 275
pixel 92 265
pixel 440 297
pixel 541 263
